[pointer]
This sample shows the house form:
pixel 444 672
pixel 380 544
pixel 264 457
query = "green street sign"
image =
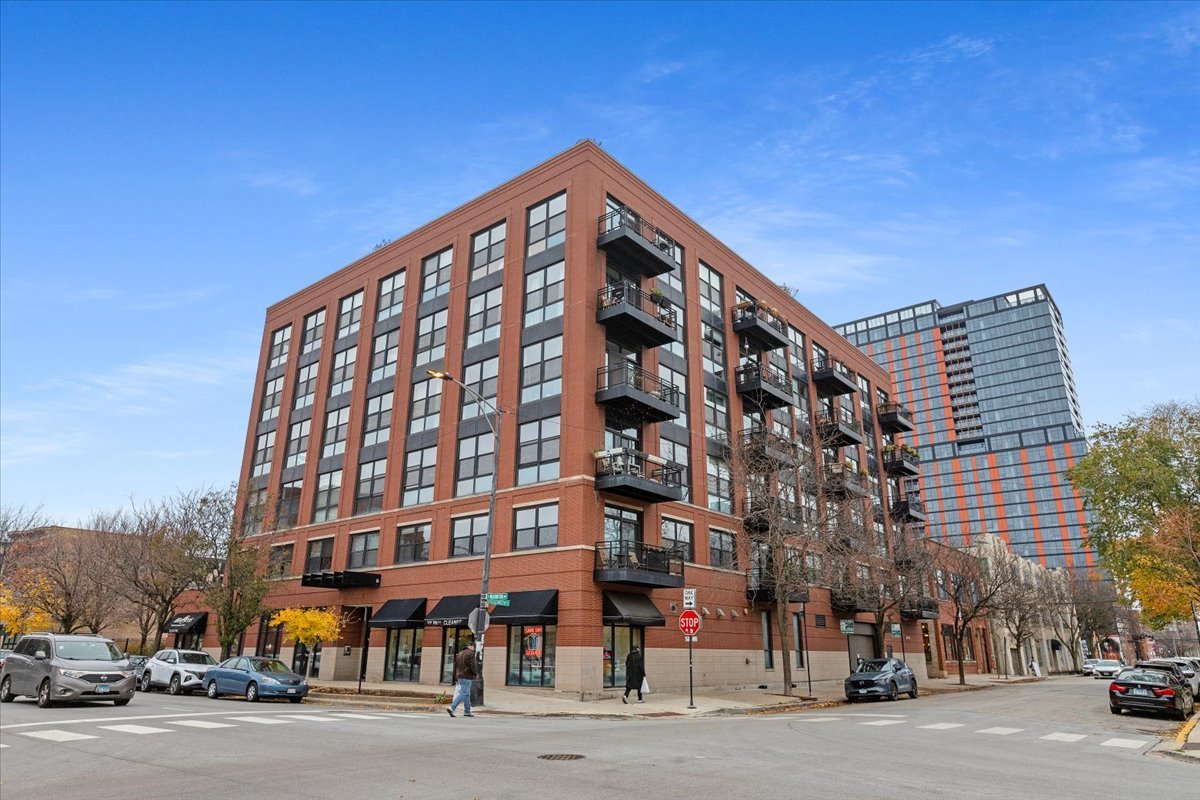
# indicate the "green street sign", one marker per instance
pixel 498 598
pixel 847 625
pixel 895 629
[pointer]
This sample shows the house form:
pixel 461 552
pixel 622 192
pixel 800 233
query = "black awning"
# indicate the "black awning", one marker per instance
pixel 625 608
pixel 187 622
pixel 408 613
pixel 349 579
pixel 452 611
pixel 528 608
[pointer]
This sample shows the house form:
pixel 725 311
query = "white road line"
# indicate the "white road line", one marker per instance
pixel 814 719
pixel 308 718
pixel 894 716
pixel 5 745
pixel 92 720
pixel 57 736
pixel 942 726
pixel 409 716
pixel 1001 731
pixel 200 723
pixel 141 730
pixel 1130 743
pixel 1063 737
pixel 358 716
pixel 884 722
pixel 262 720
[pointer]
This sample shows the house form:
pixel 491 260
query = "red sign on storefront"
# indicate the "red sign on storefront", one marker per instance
pixel 689 623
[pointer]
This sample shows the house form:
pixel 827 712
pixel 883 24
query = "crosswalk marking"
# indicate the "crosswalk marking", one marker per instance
pixel 308 717
pixel 884 722
pixel 942 726
pixel 200 723
pixel 3 745
pixel 1131 743
pixel 358 716
pixel 138 729
pixel 1001 731
pixel 408 716
pixel 261 720
pixel 1064 737
pixel 57 736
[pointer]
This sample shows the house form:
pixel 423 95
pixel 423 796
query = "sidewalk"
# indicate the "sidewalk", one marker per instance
pixel 1186 744
pixel 547 702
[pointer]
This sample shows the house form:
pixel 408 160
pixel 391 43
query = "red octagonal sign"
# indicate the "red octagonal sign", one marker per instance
pixel 689 622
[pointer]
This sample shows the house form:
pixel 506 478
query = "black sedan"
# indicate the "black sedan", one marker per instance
pixel 1141 689
pixel 881 677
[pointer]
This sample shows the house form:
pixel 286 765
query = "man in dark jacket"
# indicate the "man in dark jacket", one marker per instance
pixel 465 672
pixel 635 673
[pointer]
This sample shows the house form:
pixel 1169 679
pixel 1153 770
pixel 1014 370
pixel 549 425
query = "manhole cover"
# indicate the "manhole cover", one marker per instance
pixel 560 757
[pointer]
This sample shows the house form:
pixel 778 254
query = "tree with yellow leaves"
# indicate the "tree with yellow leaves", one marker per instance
pixel 308 626
pixel 19 614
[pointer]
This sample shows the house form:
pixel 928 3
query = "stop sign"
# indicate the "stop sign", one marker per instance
pixel 689 622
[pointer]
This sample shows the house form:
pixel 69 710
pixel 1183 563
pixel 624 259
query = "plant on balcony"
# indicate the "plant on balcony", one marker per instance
pixel 658 298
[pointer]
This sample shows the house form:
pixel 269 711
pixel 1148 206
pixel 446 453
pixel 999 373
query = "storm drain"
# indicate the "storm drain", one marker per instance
pixel 560 757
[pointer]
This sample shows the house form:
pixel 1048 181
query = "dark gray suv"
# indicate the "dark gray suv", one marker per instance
pixel 55 667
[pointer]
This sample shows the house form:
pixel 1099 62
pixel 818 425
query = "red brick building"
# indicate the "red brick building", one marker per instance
pixel 622 343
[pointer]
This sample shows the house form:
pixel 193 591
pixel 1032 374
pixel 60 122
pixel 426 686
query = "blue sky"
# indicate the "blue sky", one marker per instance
pixel 167 171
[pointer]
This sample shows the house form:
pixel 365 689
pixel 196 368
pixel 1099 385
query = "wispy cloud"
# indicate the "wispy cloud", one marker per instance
pixel 295 182
pixel 126 300
pixel 657 70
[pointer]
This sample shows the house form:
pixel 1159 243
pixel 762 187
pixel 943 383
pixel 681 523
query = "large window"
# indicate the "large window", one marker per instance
pixel 484 378
pixel 476 464
pixel 377 425
pixel 342 379
pixel 279 346
pixel 435 274
pixel 350 315
pixel 468 536
pixel 547 224
pixel 314 330
pixel 279 560
pixel 384 355
pixel 403 661
pixel 710 290
pixel 622 524
pixel 297 443
pixel 431 337
pixel 256 510
pixel 716 415
pixel 325 502
pixel 679 381
pixel 419 469
pixel 541 369
pixel 535 526
pixel 487 251
pixel 677 537
pixel 369 496
pixel 272 391
pixel 288 510
pixel 306 385
pixel 677 455
pixel 320 555
pixel 618 641
pixel 721 549
pixel 720 486
pixel 483 317
pixel 768 645
pixel 337 424
pixel 426 411
pixel 531 655
pixel 264 449
pixel 364 550
pixel 537 450
pixel 712 350
pixel 412 543
pixel 391 296
pixel 544 294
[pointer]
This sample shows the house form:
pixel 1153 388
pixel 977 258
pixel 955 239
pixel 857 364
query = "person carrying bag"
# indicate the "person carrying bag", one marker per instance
pixel 635 675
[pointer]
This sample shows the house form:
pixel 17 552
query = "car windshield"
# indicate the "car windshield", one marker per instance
pixel 196 658
pixel 98 650
pixel 1146 676
pixel 269 665
pixel 1109 663
pixel 877 665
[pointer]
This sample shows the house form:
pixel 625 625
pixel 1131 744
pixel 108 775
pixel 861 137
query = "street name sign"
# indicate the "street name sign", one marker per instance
pixel 689 623
pixel 498 598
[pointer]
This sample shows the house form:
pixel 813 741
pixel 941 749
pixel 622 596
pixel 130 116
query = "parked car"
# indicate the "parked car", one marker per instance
pixel 1088 663
pixel 880 677
pixel 137 664
pixel 1189 672
pixel 1163 665
pixel 3 655
pixel 1146 689
pixel 254 677
pixel 56 668
pixel 1106 668
pixel 177 671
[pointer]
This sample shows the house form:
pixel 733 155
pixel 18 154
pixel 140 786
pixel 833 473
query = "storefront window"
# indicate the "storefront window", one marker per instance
pixel 403 661
pixel 531 655
pixel 453 641
pixel 303 664
pixel 618 639
pixel 189 641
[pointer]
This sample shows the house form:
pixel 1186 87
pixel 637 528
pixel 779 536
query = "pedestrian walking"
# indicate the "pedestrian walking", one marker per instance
pixel 465 672
pixel 635 674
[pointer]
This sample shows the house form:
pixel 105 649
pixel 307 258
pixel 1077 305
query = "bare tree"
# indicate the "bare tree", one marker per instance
pixel 237 591
pixel 972 583
pixel 1017 605
pixel 16 519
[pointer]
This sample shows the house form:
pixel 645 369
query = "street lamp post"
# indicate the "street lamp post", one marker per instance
pixel 493 421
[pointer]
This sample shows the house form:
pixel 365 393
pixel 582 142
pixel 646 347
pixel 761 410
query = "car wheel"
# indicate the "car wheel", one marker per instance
pixel 295 699
pixel 124 701
pixel 211 690
pixel 43 695
pixel 173 687
pixel 252 693
pixel 146 681
pixel 915 692
pixel 1115 709
pixel 1181 715
pixel 893 693
pixel 6 695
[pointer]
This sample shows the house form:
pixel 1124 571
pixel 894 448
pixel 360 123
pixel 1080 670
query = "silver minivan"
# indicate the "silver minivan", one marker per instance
pixel 55 667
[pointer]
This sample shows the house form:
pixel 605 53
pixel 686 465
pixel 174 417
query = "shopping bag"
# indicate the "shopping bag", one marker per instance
pixel 645 686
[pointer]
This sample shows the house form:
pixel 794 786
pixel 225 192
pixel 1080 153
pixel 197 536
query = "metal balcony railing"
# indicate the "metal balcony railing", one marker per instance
pixel 760 311
pixel 624 461
pixel 765 373
pixel 633 222
pixel 639 557
pixel 643 301
pixel 629 374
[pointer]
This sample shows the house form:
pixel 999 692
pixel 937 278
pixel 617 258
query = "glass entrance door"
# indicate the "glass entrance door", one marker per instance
pixel 454 640
pixel 618 641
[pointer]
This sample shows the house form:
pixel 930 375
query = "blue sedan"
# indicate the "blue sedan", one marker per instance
pixel 254 677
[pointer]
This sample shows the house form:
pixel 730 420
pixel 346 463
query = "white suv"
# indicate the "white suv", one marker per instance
pixel 178 671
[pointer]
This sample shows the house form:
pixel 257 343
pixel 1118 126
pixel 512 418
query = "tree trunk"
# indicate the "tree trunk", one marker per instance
pixel 781 615
pixel 959 635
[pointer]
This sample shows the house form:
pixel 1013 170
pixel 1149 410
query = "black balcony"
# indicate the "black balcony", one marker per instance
pixel 765 449
pixel 760 587
pixel 349 579
pixel 843 481
pixel 766 514
pixel 632 396
pixel 850 602
pixel 908 509
pixel 759 328
pixel 920 608
pixel 638 475
pixel 637 564
pixel 637 243
pixel 840 429
pixel 634 317
pixel 764 386
pixel 832 378
pixel 903 462
pixel 895 418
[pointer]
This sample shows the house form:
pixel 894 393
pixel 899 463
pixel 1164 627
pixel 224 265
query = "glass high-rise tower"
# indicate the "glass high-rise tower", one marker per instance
pixel 993 398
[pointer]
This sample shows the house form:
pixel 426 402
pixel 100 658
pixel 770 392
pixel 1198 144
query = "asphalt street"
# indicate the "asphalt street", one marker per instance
pixel 1054 739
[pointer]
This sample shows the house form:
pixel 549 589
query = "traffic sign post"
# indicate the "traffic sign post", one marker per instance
pixel 689 598
pixel 689 625
pixel 478 621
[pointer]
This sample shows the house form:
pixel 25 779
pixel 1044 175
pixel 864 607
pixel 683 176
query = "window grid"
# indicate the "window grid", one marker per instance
pixel 547 224
pixel 412 543
pixel 391 296
pixel 487 251
pixel 426 406
pixel 541 369
pixel 325 502
pixel 716 415
pixel 721 550
pixel 535 526
pixel 678 455
pixel 371 477
pixel 538 450
pixel 280 340
pixel 720 486
pixel 288 511
pixel 420 467
pixel 484 378
pixel 476 464
pixel 337 424
pixel 314 330
pixel 483 317
pixel 431 337
pixel 469 536
pixel 712 350
pixel 710 290
pixel 677 537
pixel 350 314
pixel 272 392
pixel 279 560
pixel 297 444
pixel 544 294
pixel 364 550
pixel 320 556
pixel 306 385
pixel 435 274
pixel 384 355
pixel 341 380
pixel 377 425
pixel 264 449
